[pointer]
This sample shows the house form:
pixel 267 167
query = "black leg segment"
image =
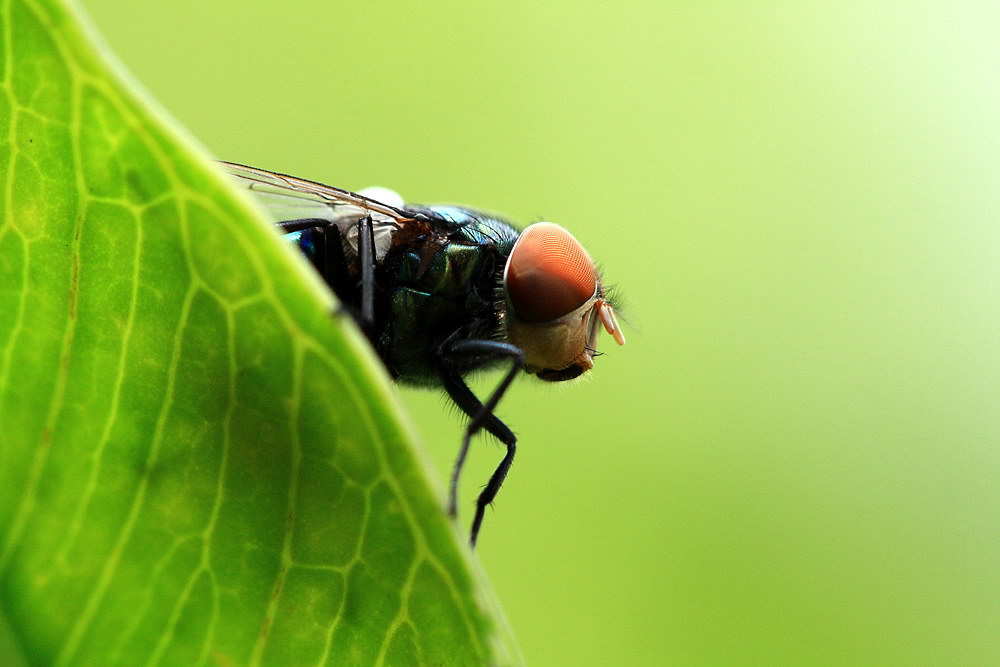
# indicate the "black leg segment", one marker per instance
pixel 366 259
pixel 481 416
pixel 290 226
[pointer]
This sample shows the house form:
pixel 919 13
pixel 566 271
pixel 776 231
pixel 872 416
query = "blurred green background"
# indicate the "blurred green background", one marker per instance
pixel 796 458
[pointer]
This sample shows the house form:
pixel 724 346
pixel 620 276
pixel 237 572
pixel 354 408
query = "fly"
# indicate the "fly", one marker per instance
pixel 441 291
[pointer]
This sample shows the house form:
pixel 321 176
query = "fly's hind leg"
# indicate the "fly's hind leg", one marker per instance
pixel 331 263
pixel 291 226
pixel 366 262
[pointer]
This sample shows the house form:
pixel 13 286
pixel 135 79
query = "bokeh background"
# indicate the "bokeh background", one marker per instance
pixel 796 458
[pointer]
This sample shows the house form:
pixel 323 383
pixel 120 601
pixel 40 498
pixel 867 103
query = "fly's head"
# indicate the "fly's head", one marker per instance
pixel 555 303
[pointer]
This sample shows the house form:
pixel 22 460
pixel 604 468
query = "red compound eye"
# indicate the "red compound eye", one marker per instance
pixel 549 274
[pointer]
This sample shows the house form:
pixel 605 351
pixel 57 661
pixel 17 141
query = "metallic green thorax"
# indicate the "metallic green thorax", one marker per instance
pixel 440 280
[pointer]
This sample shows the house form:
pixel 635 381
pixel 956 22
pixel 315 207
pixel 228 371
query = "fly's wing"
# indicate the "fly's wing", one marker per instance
pixel 289 198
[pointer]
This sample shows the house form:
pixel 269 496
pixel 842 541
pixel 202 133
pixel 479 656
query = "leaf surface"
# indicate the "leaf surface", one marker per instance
pixel 198 464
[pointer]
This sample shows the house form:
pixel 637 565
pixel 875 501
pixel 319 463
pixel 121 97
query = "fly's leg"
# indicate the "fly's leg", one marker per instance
pixel 325 237
pixel 329 259
pixel 290 226
pixel 366 260
pixel 481 416
pixel 331 264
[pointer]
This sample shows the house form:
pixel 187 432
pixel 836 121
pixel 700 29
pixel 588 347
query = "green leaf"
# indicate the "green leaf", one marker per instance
pixel 199 463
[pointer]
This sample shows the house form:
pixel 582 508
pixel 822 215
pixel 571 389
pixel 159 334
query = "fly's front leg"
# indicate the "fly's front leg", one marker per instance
pixel 481 416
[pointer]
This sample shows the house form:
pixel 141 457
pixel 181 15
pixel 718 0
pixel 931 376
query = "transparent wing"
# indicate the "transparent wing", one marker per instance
pixel 289 198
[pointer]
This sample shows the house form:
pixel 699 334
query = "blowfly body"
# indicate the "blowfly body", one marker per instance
pixel 441 291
